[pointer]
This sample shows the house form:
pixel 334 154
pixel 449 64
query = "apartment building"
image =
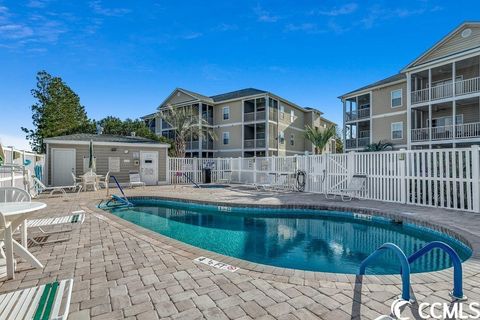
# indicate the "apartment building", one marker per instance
pixel 434 102
pixel 247 123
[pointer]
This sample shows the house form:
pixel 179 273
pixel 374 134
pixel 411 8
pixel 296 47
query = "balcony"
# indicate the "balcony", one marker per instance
pixel 357 143
pixel 254 116
pixel 254 143
pixel 208 119
pixel 358 114
pixel 191 145
pixel 207 145
pixel 462 131
pixel 462 87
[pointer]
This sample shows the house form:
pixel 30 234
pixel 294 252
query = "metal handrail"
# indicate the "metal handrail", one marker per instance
pixel 124 200
pixel 457 292
pixel 405 271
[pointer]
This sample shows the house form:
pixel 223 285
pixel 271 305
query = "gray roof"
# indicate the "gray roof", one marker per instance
pixel 196 95
pixel 397 77
pixel 237 94
pixel 101 138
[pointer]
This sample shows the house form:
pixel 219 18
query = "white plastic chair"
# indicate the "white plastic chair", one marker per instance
pixel 77 182
pixel 9 194
pixel 135 180
pixel 12 194
pixel 104 183
pixel 89 180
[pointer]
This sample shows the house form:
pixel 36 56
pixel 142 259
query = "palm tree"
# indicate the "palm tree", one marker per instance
pixel 378 146
pixel 185 122
pixel 320 138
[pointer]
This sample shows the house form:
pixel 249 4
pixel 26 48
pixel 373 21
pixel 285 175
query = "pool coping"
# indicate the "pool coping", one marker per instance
pixel 471 267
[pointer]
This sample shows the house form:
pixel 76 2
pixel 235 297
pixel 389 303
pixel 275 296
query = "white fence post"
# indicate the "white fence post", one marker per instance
pixel 254 170
pixel 402 175
pixel 476 178
pixel 350 165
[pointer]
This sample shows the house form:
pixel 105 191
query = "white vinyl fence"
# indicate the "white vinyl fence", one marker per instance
pixel 445 178
pixel 19 166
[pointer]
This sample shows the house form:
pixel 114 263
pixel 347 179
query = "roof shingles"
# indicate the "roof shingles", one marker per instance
pixel 102 138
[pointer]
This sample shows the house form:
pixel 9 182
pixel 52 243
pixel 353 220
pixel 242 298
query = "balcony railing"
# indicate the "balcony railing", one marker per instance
pixel 357 143
pixel 462 131
pixel 254 143
pixel 254 116
pixel 467 86
pixel 207 144
pixel 358 114
pixel 192 145
pixel 462 87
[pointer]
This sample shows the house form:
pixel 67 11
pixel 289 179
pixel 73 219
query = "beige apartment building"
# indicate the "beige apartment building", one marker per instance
pixel 247 123
pixel 434 102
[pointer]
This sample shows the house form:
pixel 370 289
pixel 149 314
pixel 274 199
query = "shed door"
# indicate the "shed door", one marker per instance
pixel 63 165
pixel 149 167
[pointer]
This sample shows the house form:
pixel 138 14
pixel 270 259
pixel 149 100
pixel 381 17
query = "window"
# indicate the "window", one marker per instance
pixel 226 137
pixel 226 113
pixel 282 112
pixel 292 115
pixel 397 130
pixel 292 140
pixel 281 137
pixel 396 96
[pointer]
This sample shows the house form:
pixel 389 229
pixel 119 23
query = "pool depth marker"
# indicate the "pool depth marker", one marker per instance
pixel 216 264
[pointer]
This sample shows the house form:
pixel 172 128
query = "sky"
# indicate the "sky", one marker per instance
pixel 123 58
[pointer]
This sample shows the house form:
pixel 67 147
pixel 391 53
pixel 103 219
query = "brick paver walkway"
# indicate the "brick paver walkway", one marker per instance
pixel 124 271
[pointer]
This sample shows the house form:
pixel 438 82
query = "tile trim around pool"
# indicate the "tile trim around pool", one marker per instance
pixel 295 276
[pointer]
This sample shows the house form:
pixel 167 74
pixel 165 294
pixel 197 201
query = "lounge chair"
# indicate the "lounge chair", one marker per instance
pixel 76 181
pixel 353 189
pixel 135 180
pixel 266 185
pixel 48 301
pixel 43 188
pixel 77 217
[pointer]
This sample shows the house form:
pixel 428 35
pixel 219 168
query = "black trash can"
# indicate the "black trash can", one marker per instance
pixel 207 175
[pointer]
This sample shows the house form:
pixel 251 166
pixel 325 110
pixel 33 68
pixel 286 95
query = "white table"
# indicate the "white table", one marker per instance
pixel 16 215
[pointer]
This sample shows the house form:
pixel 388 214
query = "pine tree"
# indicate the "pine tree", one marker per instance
pixel 57 111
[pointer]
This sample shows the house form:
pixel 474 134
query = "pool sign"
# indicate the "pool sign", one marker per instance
pixel 216 264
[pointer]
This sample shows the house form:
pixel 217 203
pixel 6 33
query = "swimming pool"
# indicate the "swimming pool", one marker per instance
pixel 314 240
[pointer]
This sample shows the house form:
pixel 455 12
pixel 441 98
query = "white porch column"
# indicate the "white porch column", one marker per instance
pixel 409 108
pixel 454 107
pixel 200 138
pixel 430 105
pixel 267 126
pixel 344 133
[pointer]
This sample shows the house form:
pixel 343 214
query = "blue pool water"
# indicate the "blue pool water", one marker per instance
pixel 301 239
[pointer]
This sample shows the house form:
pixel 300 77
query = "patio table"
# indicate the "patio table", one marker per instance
pixel 16 215
pixel 98 177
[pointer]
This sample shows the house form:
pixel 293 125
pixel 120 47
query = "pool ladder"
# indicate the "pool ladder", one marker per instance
pixel 405 262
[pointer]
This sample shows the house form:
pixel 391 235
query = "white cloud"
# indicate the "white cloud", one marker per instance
pixel 36 4
pixel 191 35
pixel 303 27
pixel 15 31
pixel 98 8
pixel 339 11
pixel 264 16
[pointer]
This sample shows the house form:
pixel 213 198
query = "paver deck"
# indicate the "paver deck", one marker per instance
pixel 121 270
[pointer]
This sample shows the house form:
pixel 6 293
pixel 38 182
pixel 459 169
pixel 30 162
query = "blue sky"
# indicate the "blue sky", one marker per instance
pixel 124 57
